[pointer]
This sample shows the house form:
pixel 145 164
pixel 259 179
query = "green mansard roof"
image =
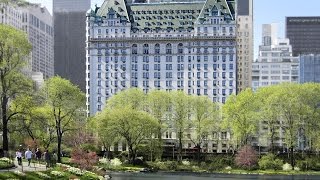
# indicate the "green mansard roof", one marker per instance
pixel 165 15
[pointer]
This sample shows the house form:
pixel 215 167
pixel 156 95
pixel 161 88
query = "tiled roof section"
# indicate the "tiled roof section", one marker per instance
pixel 175 16
pixel 222 5
pixel 165 15
pixel 119 6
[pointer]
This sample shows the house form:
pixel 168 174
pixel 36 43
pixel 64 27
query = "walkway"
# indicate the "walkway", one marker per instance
pixel 25 167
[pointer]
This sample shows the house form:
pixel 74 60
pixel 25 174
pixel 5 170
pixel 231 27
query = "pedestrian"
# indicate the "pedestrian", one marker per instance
pixel 38 155
pixel 47 158
pixel 19 157
pixel 28 156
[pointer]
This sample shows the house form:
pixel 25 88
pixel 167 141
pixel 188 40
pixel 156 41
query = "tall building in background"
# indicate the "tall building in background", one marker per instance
pixel 186 46
pixel 10 14
pixel 244 43
pixel 304 34
pixel 180 45
pixel 310 68
pixel 69 39
pixel 38 24
pixel 275 63
pixel 36 21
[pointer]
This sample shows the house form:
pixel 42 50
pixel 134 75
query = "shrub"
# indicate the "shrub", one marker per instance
pixel 186 163
pixel 5 159
pixel 115 162
pixel 85 160
pixel 19 173
pixel 226 161
pixel 75 171
pixel 57 173
pixel 309 164
pixel 43 175
pixel 269 161
pixel 247 157
pixel 171 165
pixel 215 166
pixel 158 165
pixel 287 167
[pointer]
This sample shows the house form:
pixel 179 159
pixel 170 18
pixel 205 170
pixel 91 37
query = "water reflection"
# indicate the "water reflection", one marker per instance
pixel 194 176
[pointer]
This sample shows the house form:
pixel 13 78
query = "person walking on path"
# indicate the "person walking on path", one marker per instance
pixel 28 156
pixel 38 155
pixel 47 158
pixel 19 157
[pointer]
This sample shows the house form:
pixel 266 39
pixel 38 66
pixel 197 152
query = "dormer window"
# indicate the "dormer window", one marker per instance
pixel 215 11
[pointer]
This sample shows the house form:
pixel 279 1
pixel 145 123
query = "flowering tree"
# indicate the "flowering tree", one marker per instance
pixel 247 157
pixel 85 160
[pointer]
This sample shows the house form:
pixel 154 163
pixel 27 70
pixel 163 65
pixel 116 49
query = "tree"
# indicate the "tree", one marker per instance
pixel 204 117
pixel 85 160
pixel 14 51
pixel 66 104
pixel 247 157
pixel 99 125
pixel 158 103
pixel 133 98
pixel 290 110
pixel 269 112
pixel 32 120
pixel 309 99
pixel 240 116
pixel 180 115
pixel 130 124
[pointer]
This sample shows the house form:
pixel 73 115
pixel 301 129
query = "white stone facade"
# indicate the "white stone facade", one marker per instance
pixel 36 21
pixel 201 61
pixel 275 63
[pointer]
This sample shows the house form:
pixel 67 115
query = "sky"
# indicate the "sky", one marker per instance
pixel 265 12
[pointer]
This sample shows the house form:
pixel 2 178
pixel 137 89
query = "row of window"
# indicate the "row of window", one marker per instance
pixel 168 83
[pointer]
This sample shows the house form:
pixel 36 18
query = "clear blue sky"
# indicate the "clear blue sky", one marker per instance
pixel 265 12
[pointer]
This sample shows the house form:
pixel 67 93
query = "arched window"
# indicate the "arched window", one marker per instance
pixel 145 49
pixel 169 49
pixel 157 49
pixel 134 49
pixel 180 48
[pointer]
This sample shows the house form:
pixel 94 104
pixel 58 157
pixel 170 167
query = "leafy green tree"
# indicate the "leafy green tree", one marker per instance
pixel 158 103
pixel 290 111
pixel 240 116
pixel 309 99
pixel 133 97
pixel 66 105
pixel 269 112
pixel 14 51
pixel 32 120
pixel 180 116
pixel 131 124
pixel 99 125
pixel 204 118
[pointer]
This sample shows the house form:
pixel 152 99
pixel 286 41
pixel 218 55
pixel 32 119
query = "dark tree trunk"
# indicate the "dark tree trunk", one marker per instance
pixel 131 155
pixel 180 147
pixel 272 139
pixel 291 157
pixel 59 137
pixel 5 141
pixel 199 153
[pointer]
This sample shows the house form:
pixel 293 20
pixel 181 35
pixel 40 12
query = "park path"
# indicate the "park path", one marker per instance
pixel 26 168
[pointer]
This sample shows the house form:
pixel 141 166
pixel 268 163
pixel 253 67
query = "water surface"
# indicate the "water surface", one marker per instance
pixel 204 176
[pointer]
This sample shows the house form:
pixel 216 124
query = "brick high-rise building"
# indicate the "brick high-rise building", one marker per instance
pixel 244 43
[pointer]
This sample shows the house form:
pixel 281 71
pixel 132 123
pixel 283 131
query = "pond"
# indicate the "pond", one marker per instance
pixel 204 176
